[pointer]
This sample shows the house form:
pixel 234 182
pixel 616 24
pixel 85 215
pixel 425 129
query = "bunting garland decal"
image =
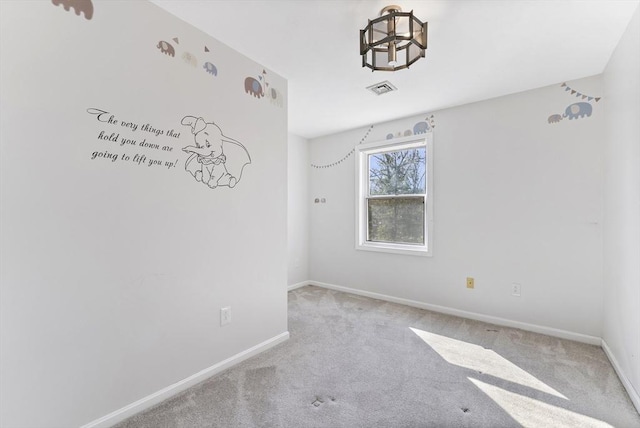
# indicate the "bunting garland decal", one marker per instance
pixel 578 94
pixel 344 158
pixel 577 110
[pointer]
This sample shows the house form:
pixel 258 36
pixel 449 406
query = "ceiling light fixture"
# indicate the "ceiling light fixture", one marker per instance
pixel 393 41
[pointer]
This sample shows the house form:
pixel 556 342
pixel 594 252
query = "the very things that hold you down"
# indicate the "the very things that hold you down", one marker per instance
pixel 152 148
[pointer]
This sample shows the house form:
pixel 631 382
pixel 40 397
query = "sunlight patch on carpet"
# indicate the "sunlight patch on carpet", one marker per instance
pixel 532 413
pixel 487 361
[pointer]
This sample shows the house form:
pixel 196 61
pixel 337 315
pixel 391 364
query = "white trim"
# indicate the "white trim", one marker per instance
pixel 549 331
pixel 298 285
pixel 159 396
pixel 633 394
pixel 362 193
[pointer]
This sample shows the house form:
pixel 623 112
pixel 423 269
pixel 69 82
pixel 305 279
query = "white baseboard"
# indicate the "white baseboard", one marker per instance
pixel 159 396
pixel 633 394
pixel 298 285
pixel 563 334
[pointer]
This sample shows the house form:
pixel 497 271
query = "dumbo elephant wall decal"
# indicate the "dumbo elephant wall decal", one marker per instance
pixel 166 48
pixel 578 110
pixel 79 6
pixel 215 159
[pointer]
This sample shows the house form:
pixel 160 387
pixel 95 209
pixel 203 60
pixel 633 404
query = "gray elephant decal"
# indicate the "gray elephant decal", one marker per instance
pixel 554 118
pixel 578 110
pixel 190 59
pixel 389 136
pixel 421 128
pixel 166 48
pixel 210 68
pixel 276 97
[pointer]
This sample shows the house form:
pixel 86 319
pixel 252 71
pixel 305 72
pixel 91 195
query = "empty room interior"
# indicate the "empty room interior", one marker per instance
pixel 278 213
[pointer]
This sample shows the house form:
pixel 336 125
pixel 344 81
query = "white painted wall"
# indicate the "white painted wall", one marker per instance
pixel 621 331
pixel 298 210
pixel 516 200
pixel 113 274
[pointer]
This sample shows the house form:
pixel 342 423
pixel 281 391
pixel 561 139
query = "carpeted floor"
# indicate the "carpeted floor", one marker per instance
pixel 352 361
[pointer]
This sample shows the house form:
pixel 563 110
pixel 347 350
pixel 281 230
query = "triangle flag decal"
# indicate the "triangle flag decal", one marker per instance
pixel 175 39
pixel 598 99
pixel 206 49
pixel 573 92
pixel 584 96
pixel 590 98
pixel 563 85
pixel 567 88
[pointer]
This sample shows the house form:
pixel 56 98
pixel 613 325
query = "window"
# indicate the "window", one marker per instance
pixel 394 196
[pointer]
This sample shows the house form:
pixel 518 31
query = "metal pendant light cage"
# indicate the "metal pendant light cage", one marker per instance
pixel 393 41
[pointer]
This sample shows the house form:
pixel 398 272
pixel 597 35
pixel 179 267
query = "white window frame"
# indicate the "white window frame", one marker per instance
pixel 362 188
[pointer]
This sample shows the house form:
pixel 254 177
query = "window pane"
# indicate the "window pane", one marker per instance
pixel 397 173
pixel 399 220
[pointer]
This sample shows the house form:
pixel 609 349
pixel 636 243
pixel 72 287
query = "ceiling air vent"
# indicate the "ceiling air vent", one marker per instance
pixel 382 88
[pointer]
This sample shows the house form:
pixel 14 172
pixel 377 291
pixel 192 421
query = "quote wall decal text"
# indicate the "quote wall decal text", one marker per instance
pixel 118 136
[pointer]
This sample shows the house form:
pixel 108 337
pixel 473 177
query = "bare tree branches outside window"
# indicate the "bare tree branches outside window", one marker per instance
pixel 396 202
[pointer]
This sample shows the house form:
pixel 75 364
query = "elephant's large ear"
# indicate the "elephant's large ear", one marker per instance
pixel 189 121
pixel 199 125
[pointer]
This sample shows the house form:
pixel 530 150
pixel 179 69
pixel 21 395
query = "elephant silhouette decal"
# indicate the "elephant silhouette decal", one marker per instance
pixel 554 118
pixel 573 111
pixel 254 87
pixel 190 59
pixel 166 48
pixel 79 6
pixel 421 127
pixel 578 110
pixel 215 160
pixel 276 97
pixel 425 126
pixel 210 68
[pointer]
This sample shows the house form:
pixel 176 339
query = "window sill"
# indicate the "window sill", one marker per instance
pixel 395 249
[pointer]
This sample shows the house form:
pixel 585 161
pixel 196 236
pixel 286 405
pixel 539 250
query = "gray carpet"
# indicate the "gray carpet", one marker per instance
pixel 352 361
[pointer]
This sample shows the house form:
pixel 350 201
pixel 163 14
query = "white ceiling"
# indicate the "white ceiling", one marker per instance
pixel 478 49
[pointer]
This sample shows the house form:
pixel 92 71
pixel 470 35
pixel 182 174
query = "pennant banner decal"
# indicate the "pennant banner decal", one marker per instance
pixel 579 94
pixel 344 158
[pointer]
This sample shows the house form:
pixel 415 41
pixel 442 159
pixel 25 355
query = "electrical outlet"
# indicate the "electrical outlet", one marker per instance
pixel 225 315
pixel 516 289
pixel 470 282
